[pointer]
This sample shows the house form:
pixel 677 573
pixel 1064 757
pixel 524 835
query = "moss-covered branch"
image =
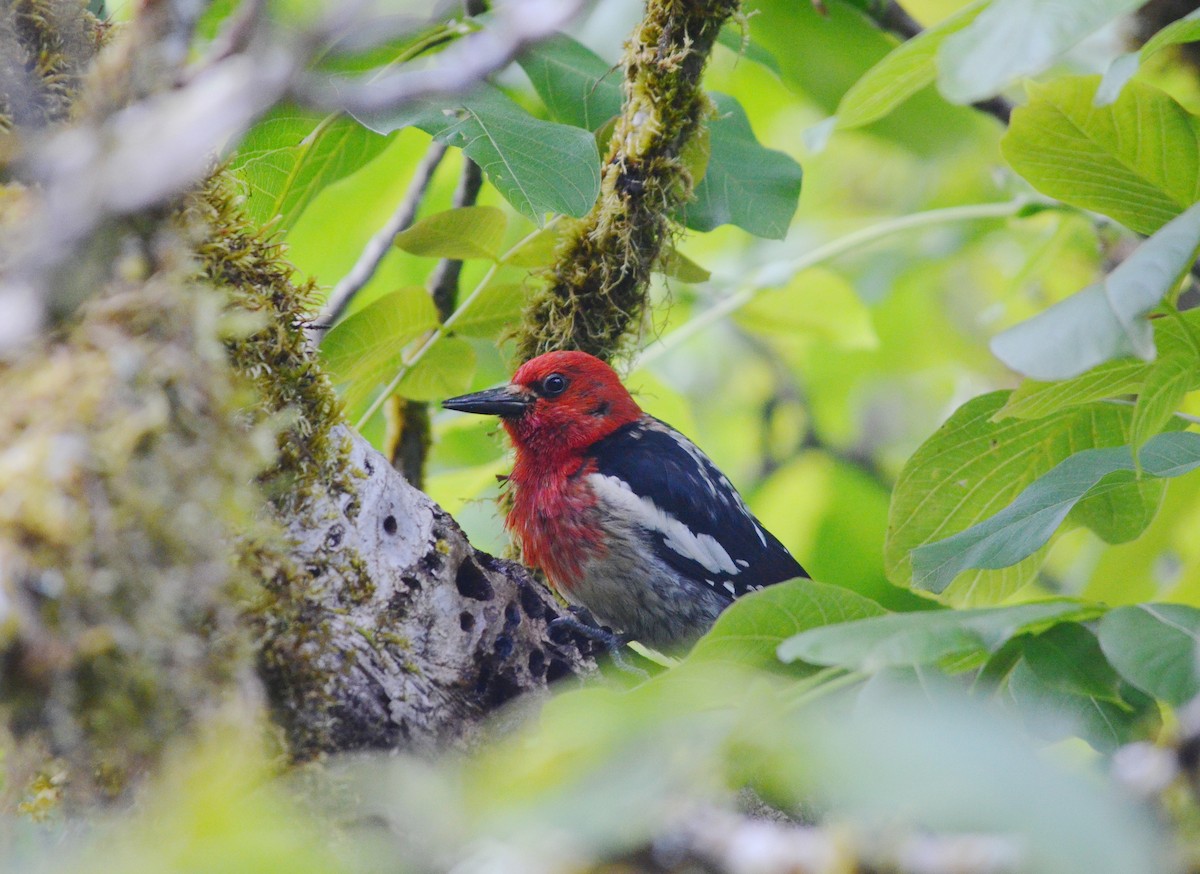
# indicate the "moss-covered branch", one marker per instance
pixel 597 291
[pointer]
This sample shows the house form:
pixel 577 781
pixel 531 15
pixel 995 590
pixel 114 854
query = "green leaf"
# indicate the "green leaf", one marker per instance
pixel 1155 647
pixel 366 347
pixel 1015 38
pixel 496 307
pixel 289 157
pixel 1033 399
pixel 1122 68
pixel 1136 161
pixel 749 632
pixel 971 468
pixel 578 86
pixel 906 70
pixel 1122 510
pixel 746 184
pixel 1106 320
pixel 676 265
pixel 1065 687
pixel 538 166
pixel 924 638
pixel 1025 525
pixel 443 371
pixel 1168 381
pixel 1067 658
pixel 461 233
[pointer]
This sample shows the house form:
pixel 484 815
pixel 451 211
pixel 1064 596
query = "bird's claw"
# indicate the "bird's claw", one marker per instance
pixel 582 622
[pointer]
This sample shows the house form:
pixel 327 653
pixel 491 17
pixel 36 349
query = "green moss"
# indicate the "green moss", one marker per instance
pixel 45 47
pixel 126 477
pixel 596 293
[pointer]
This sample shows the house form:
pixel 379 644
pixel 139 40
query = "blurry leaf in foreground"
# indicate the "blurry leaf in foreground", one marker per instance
pixel 1156 647
pixel 214 808
pixel 1106 320
pixel 921 638
pixel 930 759
pixel 1025 525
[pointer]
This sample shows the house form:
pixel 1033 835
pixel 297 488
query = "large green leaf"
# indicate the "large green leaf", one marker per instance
pixel 1065 687
pixel 460 233
pixel 444 370
pixel 539 166
pixel 1121 70
pixel 495 307
pixel 290 156
pixel 925 637
pixel 1137 160
pixel 971 468
pixel 1025 525
pixel 1106 320
pixel 749 632
pixel 366 348
pixel 1015 38
pixel 1033 399
pixel 1156 647
pixel 746 184
pixel 906 70
pixel 578 86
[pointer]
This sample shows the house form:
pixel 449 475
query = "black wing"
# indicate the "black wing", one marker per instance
pixel 654 461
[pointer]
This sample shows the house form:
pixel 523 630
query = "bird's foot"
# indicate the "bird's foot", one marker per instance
pixel 581 621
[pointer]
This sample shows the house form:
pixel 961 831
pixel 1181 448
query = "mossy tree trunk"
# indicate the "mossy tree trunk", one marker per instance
pixel 185 518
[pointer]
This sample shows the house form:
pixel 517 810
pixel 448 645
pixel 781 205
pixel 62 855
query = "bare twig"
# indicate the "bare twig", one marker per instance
pixel 515 26
pixel 409 438
pixel 894 18
pixel 444 283
pixel 377 247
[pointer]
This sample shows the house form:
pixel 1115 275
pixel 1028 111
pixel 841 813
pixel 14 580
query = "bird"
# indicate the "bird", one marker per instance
pixel 626 517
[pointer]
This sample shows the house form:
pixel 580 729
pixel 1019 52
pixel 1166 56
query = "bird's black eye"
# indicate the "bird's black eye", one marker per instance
pixel 554 385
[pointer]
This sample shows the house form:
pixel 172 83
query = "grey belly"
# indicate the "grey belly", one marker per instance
pixel 629 589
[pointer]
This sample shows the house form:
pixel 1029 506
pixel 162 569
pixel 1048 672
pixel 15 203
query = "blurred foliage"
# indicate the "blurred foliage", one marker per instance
pixel 1004 560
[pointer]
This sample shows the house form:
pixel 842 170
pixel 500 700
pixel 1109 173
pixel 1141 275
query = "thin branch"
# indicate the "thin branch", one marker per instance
pixel 379 245
pixel 775 274
pixel 444 282
pixel 894 18
pixel 408 437
pixel 442 329
pixel 466 63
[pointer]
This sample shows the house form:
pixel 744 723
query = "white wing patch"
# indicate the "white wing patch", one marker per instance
pixel 704 549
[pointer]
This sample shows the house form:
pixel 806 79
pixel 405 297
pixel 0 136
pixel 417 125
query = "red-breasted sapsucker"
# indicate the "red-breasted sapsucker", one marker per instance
pixel 625 515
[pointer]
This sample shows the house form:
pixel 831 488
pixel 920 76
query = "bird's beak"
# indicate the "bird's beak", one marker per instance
pixel 508 402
